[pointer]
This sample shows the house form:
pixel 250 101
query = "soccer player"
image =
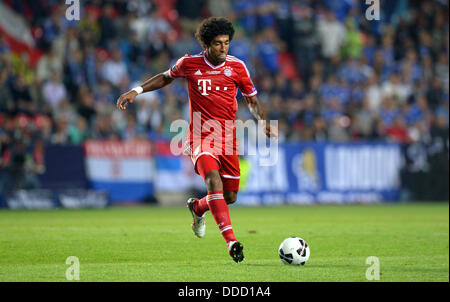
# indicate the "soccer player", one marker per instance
pixel 213 78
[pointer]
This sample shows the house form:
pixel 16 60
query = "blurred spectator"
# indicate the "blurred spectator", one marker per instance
pixel 304 37
pixel 132 129
pixel 397 131
pixel 244 12
pixel 441 70
pixel 6 98
pixel 157 28
pixel 54 91
pixel 48 65
pixel 320 133
pixel 242 48
pixel 389 111
pixel 4 47
pixel 52 28
pixel 410 67
pixel 20 169
pixel 363 121
pixel 61 136
pixel 64 47
pixel 337 131
pixel 103 128
pixel 104 94
pixel 65 111
pixel 418 110
pixel 268 50
pixel 21 94
pixel 106 24
pixel 373 94
pixel 419 132
pixel 115 70
pixel 190 9
pixel 86 107
pixel 219 7
pixel 76 71
pixel 141 7
pixel 79 132
pixel 396 89
pixel 353 40
pixel 186 43
pixel 435 93
pixel 309 111
pixel 384 61
pixel 332 35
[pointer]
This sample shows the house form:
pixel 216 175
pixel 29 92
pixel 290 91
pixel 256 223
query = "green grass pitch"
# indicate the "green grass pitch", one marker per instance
pixel 152 243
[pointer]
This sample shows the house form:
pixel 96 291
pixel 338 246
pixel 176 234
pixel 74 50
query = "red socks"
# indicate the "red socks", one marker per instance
pixel 219 209
pixel 201 206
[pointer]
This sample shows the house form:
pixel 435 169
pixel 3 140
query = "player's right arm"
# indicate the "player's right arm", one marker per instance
pixel 154 83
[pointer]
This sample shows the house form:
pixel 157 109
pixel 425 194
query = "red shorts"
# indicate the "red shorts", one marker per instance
pixel 228 166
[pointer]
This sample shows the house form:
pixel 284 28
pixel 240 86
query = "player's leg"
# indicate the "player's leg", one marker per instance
pixel 202 165
pixel 208 168
pixel 235 248
pixel 218 206
pixel 230 174
pixel 219 209
pixel 230 196
pixel 201 205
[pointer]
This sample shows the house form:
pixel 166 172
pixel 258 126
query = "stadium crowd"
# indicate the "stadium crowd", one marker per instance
pixel 322 70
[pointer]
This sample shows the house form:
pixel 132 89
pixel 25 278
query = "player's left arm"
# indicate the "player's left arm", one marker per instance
pixel 257 110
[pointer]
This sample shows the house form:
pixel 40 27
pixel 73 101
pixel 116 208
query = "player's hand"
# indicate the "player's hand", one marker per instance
pixel 126 99
pixel 271 132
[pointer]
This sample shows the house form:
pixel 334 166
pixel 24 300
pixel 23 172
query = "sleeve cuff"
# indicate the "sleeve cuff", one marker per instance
pixel 251 94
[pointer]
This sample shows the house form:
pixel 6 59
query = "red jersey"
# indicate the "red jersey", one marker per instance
pixel 212 91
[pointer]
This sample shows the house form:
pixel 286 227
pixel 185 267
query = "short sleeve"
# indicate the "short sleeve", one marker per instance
pixel 177 70
pixel 244 82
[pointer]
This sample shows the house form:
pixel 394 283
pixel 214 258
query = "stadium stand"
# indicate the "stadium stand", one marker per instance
pixel 322 69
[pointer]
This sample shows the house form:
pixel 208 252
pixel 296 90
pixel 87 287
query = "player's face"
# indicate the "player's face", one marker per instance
pixel 218 49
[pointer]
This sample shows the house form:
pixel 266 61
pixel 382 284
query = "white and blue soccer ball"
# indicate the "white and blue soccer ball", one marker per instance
pixel 294 251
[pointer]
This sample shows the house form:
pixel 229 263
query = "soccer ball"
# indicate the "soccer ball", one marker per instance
pixel 294 251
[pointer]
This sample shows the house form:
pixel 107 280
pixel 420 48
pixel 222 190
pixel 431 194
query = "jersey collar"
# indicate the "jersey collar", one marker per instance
pixel 210 64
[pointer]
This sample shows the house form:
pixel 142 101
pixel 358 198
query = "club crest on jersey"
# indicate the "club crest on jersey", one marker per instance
pixel 227 72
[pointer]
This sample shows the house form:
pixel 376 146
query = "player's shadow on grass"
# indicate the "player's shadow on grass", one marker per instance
pixel 264 264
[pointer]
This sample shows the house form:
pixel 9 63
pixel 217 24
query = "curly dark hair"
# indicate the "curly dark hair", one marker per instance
pixel 213 27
